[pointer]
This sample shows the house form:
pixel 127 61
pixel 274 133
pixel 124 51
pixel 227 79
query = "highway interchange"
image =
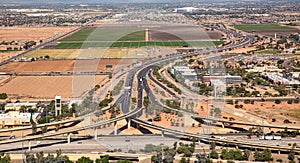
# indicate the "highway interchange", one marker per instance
pixel 124 100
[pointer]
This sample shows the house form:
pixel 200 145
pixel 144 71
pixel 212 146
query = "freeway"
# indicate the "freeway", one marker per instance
pixel 207 138
pixel 198 118
pixel 162 86
pixel 42 125
pixel 28 138
pixel 38 46
pixel 126 95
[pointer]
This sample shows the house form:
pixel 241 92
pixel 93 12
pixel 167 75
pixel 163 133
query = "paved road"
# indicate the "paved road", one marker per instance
pixel 38 46
pixel 127 95
pixel 123 142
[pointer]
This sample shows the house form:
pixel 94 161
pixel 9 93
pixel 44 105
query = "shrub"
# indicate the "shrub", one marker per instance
pixel 277 101
pixel 287 121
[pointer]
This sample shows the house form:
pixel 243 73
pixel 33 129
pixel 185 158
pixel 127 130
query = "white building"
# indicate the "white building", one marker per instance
pixel 279 78
pixel 187 9
pixel 265 69
pixel 17 106
pixel 14 118
pixel 185 72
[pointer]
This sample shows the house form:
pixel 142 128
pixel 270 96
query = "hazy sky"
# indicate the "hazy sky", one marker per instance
pixel 101 1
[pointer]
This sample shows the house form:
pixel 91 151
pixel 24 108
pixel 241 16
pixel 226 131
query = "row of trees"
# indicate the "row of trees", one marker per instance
pixel 59 158
pixel 105 102
pixel 117 88
pixel 166 154
pixel 161 79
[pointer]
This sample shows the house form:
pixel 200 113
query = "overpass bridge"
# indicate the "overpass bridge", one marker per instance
pixel 198 118
pixel 207 138
pixel 79 119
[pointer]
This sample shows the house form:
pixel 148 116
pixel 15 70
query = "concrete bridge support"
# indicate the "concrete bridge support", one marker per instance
pixel 95 133
pixel 128 123
pixel 115 128
pixel 69 138
pixel 162 134
pixel 29 145
pixel 57 127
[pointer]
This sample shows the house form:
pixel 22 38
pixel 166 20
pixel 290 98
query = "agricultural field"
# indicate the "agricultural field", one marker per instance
pixel 170 36
pixel 31 33
pixel 48 86
pixel 63 65
pixel 100 34
pixel 259 27
pixel 127 41
pixel 268 29
pixel 92 53
pixel 134 44
pixel 54 53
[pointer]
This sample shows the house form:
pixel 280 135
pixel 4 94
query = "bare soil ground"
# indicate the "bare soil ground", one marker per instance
pixel 48 86
pixel 125 52
pixel 62 65
pixel 31 33
pixel 182 33
pixel 270 110
pixel 7 55
pixel 271 33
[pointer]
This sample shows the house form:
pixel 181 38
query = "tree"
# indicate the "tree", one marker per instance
pixel 97 86
pixel 247 154
pixel 212 145
pixel 213 154
pixel 133 99
pixel 291 156
pixel 30 158
pixel 187 153
pixel 84 159
pixel 264 155
pixel 201 158
pixel 287 121
pixel 169 155
pixel 3 95
pixel 175 145
pixel 157 158
pixel 4 158
pixel 184 160
pixel 277 101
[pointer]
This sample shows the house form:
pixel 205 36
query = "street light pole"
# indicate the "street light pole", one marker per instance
pixel 22 143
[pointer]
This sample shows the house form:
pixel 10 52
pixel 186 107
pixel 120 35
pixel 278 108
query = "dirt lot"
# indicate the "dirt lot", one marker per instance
pixel 62 65
pixel 270 110
pixel 271 33
pixel 125 52
pixel 31 33
pixel 7 55
pixel 48 86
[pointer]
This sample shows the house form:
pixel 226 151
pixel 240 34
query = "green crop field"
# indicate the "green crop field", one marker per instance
pixel 134 36
pixel 259 27
pixel 270 51
pixel 84 45
pixel 99 34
